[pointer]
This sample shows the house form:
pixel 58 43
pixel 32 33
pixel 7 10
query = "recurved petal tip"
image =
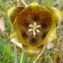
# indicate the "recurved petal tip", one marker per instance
pixel 13 12
pixel 34 3
pixel 10 10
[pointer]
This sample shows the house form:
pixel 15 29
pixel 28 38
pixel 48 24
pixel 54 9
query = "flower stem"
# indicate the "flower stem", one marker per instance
pixel 23 57
pixel 15 54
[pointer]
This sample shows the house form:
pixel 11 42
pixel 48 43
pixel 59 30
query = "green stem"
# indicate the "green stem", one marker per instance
pixel 23 57
pixel 15 54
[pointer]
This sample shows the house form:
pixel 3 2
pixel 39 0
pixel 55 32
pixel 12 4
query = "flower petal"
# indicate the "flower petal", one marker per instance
pixel 31 51
pixel 56 14
pixel 13 12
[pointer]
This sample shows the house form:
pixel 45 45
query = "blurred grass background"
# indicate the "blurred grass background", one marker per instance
pixel 7 55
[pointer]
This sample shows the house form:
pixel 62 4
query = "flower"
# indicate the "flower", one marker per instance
pixel 35 25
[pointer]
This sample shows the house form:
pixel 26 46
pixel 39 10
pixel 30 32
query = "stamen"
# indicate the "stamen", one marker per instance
pixel 34 28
